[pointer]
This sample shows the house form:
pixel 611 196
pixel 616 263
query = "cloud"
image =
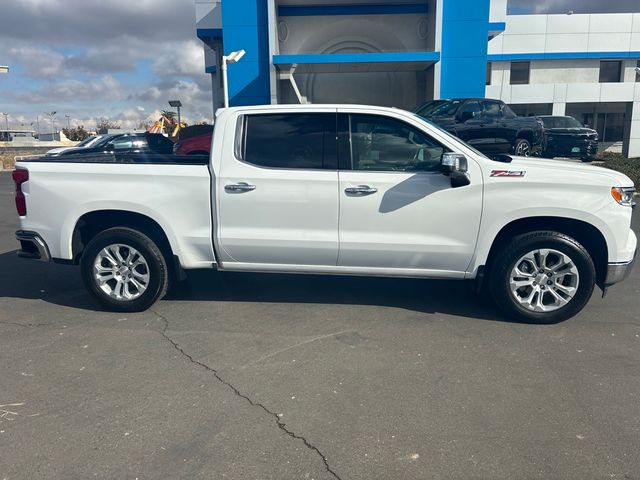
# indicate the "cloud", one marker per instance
pixel 100 90
pixel 96 22
pixel 120 59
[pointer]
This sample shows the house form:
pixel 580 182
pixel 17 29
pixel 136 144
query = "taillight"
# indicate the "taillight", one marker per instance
pixel 19 177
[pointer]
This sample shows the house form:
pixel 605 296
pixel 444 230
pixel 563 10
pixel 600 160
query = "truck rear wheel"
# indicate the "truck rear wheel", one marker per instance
pixel 542 277
pixel 124 270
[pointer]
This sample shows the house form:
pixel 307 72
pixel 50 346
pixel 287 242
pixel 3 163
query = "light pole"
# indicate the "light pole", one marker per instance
pixel 68 122
pixel 176 104
pixel 233 57
pixel 51 116
pixel 6 125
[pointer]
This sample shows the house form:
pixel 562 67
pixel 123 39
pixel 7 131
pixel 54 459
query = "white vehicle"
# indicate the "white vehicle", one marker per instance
pixel 86 143
pixel 332 189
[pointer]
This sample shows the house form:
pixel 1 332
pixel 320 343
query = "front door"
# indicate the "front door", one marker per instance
pixel 397 211
pixel 278 191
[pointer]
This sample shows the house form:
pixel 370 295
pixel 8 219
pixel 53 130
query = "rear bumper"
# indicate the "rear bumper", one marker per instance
pixel 32 246
pixel 617 272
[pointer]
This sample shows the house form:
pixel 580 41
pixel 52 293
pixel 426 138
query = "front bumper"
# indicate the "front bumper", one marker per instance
pixel 565 148
pixel 617 272
pixel 32 246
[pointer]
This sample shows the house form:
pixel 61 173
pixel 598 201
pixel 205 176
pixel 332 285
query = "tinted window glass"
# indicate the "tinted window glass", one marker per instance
pixel 561 122
pixel 520 73
pixel 493 109
pixel 293 140
pixel 638 71
pixel 610 71
pixel 469 110
pixel 386 144
pixel 489 68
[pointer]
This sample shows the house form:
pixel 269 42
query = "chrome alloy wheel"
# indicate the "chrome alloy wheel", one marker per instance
pixel 523 149
pixel 544 280
pixel 121 272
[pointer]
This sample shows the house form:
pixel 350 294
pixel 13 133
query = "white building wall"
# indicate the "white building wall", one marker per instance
pixel 569 80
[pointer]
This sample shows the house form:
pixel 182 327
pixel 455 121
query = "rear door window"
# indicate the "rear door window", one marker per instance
pixel 291 140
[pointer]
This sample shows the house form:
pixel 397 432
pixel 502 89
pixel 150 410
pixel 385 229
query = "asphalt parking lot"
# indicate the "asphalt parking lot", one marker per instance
pixel 245 376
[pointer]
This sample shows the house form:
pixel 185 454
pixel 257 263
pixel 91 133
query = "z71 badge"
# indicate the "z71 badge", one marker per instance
pixel 508 173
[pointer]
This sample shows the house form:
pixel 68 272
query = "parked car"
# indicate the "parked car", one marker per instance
pixel 194 140
pixel 488 125
pixel 567 137
pixel 339 189
pixel 87 142
pixel 123 143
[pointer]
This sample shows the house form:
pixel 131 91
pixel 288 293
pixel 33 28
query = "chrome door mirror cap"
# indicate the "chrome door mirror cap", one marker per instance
pixel 453 162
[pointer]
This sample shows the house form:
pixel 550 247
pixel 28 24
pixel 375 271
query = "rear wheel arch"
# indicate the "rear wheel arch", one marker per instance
pixel 589 236
pixel 92 223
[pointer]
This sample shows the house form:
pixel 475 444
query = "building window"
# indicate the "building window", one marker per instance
pixel 520 73
pixel 489 69
pixel 638 71
pixel 610 71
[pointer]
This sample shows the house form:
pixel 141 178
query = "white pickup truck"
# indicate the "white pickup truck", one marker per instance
pixel 332 189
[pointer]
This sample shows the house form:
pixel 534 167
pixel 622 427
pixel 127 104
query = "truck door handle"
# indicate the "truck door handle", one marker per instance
pixel 360 190
pixel 239 187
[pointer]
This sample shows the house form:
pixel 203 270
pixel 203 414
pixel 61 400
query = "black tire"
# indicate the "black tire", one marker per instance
pixel 156 267
pixel 586 159
pixel 522 148
pixel 500 275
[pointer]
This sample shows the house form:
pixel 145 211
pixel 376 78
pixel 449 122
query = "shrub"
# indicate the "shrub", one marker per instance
pixel 629 166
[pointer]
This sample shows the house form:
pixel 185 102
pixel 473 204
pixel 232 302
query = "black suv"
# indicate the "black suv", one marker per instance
pixel 488 125
pixel 124 143
pixel 567 137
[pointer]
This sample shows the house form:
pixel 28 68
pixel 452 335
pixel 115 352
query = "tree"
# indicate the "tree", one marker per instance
pixel 104 125
pixel 76 134
pixel 170 115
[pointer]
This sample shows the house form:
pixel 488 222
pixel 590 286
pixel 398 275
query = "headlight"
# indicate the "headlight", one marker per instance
pixel 624 196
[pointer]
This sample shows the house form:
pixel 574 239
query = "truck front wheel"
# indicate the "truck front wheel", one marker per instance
pixel 124 270
pixel 522 147
pixel 542 277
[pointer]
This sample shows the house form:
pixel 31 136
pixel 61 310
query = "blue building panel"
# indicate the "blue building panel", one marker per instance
pixel 245 27
pixel 465 27
pixel 387 57
pixel 360 9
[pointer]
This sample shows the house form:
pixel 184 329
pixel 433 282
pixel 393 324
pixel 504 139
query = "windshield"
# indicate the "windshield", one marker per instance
pixel 440 107
pixel 438 127
pixel 561 122
pixel 425 108
pixel 89 141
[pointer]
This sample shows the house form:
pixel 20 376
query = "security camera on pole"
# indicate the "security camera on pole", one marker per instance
pixel 233 57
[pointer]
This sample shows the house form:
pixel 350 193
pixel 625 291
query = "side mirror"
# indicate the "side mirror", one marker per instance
pixel 587 125
pixel 109 147
pixel 455 165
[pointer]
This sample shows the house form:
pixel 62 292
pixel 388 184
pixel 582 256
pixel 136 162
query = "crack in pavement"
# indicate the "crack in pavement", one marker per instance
pixel 281 425
pixel 28 325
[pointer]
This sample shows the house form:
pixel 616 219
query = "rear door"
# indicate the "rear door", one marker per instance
pixel 278 190
pixel 397 211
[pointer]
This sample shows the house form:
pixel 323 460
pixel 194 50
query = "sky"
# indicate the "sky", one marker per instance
pixel 117 59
